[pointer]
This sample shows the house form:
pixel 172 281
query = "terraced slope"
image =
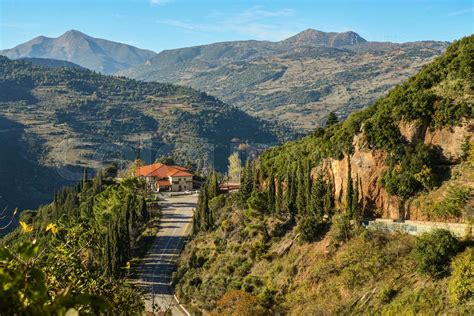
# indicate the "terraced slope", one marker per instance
pixel 77 118
pixel 298 80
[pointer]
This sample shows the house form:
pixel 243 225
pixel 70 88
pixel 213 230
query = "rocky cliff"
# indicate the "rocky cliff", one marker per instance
pixel 368 166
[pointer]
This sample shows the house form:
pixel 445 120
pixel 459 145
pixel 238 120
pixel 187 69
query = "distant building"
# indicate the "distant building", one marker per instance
pixel 161 177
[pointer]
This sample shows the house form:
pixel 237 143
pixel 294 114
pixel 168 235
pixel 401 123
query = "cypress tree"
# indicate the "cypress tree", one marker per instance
pixel 300 191
pixel 350 189
pixel 278 197
pixel 308 183
pixel 247 183
pixel 85 180
pixel 328 199
pixel 256 177
pixel 355 200
pixel 207 216
pixel 271 192
pixel 318 195
pixel 213 189
pixel 287 193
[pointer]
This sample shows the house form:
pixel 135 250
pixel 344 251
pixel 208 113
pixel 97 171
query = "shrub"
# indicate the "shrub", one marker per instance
pixel 309 228
pixel 341 230
pixel 434 250
pixel 454 202
pixel 239 303
pixel 387 294
pixel 267 297
pixel 461 284
pixel 409 170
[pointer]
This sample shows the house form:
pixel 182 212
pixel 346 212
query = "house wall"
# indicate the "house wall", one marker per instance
pixel 186 183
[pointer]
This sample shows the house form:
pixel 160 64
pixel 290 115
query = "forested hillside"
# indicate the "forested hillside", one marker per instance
pixel 73 253
pixel 73 117
pixel 298 80
pixel 291 239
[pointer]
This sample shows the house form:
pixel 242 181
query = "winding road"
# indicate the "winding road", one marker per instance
pixel 155 272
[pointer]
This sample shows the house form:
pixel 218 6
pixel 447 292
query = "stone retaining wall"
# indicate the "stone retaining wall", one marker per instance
pixel 419 227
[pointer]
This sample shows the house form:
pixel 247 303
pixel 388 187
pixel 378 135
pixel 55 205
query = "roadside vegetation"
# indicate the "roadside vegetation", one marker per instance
pixel 254 265
pixel 74 254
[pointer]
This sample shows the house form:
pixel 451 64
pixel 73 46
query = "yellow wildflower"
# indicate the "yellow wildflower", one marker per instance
pixel 128 265
pixel 53 228
pixel 26 228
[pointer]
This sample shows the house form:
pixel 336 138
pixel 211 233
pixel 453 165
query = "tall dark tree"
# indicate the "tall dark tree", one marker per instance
pixel 300 191
pixel 317 199
pixel 355 200
pixel 271 193
pixel 85 179
pixel 278 196
pixel 247 182
pixel 213 185
pixel 332 119
pixel 350 189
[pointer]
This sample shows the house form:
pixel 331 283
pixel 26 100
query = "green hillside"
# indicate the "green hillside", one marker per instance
pixel 74 117
pixel 298 80
pixel 285 243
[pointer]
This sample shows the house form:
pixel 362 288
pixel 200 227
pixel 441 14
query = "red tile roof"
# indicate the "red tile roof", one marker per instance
pixel 160 170
pixel 163 183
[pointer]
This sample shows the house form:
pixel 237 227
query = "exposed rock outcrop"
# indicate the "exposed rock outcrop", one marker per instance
pixel 368 166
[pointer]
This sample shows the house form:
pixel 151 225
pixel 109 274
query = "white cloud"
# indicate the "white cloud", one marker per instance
pixel 160 2
pixel 255 22
pixel 461 12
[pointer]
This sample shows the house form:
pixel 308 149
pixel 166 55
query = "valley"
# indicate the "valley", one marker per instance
pixel 265 172
pixel 75 118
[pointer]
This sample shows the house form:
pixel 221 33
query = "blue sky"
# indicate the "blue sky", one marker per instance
pixel 164 24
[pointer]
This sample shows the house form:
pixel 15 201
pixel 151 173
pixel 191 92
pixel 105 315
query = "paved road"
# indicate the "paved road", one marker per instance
pixel 159 263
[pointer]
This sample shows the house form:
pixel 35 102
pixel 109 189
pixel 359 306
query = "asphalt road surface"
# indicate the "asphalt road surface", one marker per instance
pixel 159 263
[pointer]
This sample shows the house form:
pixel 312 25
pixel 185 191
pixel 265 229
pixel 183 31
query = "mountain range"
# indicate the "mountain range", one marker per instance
pixel 86 51
pixel 297 81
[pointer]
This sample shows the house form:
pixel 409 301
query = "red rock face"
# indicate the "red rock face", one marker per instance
pixel 369 166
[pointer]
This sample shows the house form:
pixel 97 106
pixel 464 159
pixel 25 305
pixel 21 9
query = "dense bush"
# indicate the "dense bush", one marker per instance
pixel 410 170
pixel 461 284
pixel 310 228
pixel 341 230
pixel 452 206
pixel 434 251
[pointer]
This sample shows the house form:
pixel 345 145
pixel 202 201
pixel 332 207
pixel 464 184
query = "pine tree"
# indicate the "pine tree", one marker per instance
pixel 332 119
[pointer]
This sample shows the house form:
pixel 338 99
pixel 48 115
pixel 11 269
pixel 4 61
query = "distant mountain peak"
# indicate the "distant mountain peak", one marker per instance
pixel 312 37
pixel 79 48
pixel 74 33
